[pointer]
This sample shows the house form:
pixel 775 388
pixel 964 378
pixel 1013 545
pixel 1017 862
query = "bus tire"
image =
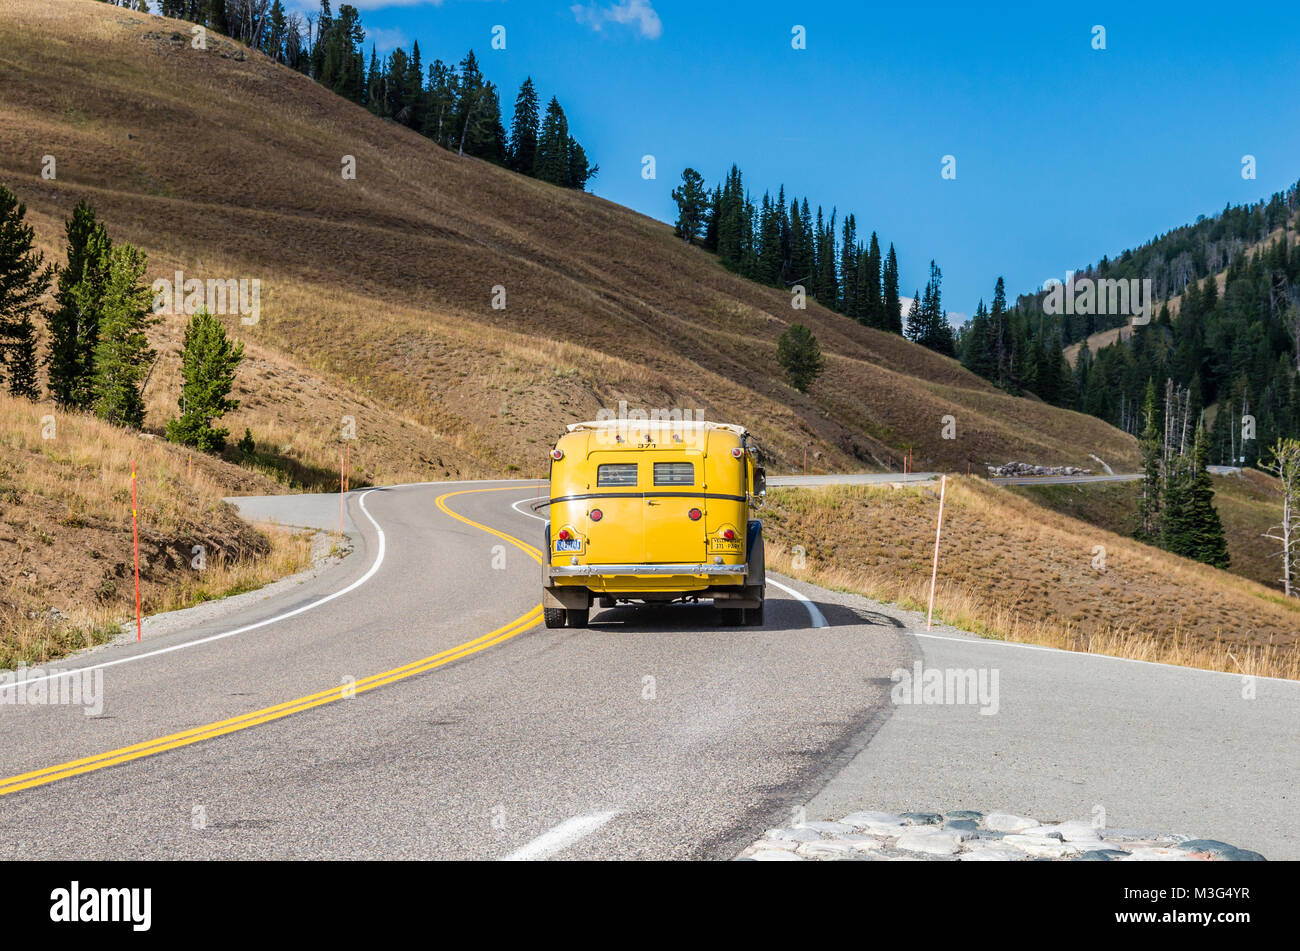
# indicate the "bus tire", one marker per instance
pixel 554 617
pixel 577 616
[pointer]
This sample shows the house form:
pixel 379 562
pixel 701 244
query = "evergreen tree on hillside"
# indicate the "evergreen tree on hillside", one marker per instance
pixel 801 356
pixel 524 129
pixel 217 17
pixel 871 293
pixel 123 355
pixel 1148 517
pixel 1191 525
pixel 552 163
pixel 893 303
pixel 23 279
pixel 74 322
pixel 208 363
pixel 691 206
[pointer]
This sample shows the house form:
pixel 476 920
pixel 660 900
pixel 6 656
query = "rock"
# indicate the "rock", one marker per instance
pixel 923 818
pixel 1005 822
pixel 1157 853
pixel 797 834
pixel 774 855
pixel 863 820
pixel 828 828
pixel 1208 846
pixel 962 825
pixel 829 849
pixel 929 841
pixel 991 854
pixel 1041 846
pixel 863 843
pixel 970 814
pixel 1101 855
pixel 1128 835
pixel 789 845
pixel 1245 855
pixel 1077 830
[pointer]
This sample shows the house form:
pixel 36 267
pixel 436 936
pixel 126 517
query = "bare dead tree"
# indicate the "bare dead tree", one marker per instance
pixel 1286 466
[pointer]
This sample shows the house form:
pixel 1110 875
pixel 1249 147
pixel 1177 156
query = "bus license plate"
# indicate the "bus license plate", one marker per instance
pixel 722 545
pixel 568 544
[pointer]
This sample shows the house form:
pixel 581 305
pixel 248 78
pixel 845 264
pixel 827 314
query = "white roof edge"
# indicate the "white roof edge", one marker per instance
pixel 668 424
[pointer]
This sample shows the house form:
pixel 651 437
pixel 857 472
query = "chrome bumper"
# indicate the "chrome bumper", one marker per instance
pixel 587 571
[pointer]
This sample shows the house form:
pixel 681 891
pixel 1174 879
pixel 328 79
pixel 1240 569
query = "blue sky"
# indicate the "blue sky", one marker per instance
pixel 1063 152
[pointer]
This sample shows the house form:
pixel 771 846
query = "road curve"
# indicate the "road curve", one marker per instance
pixel 424 714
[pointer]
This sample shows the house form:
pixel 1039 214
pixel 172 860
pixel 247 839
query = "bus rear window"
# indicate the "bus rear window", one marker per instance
pixel 674 473
pixel 616 473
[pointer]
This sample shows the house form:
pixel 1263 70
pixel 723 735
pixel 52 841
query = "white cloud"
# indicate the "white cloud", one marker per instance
pixel 639 14
pixel 385 39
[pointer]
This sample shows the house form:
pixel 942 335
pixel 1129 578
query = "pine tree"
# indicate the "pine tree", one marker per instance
pixel 523 129
pixel 691 203
pixel 123 355
pixel 552 164
pixel 23 280
pixel 1190 523
pixel 801 356
pixel 208 363
pixel 893 304
pixel 73 323
pixel 873 301
pixel 1148 526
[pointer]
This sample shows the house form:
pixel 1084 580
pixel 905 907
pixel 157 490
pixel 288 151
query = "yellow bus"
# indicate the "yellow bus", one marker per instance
pixel 651 512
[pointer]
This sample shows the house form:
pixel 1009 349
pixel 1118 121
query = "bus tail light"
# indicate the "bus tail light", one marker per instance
pixel 694 515
pixel 565 535
pixel 729 534
pixel 596 515
pixel 737 452
pixel 557 454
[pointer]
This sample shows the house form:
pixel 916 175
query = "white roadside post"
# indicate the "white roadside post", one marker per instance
pixel 934 571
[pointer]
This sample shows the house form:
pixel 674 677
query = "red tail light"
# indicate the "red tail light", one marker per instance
pixel 729 534
pixel 557 454
pixel 565 535
pixel 694 515
pixel 596 515
pixel 737 452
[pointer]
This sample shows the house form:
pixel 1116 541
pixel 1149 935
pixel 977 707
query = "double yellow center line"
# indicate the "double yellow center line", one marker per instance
pixel 173 741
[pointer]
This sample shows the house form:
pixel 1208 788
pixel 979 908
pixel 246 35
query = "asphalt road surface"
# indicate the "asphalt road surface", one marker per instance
pixel 406 703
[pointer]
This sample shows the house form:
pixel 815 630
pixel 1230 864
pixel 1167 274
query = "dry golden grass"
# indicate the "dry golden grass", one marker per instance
pixel 1249 505
pixel 376 292
pixel 1010 569
pixel 66 536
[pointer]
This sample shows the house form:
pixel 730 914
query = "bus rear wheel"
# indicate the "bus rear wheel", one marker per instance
pixel 554 617
pixel 578 616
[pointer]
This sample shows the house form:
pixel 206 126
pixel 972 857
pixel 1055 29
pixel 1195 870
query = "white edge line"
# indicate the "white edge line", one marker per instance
pixel 814 612
pixel 379 560
pixel 530 514
pixel 561 837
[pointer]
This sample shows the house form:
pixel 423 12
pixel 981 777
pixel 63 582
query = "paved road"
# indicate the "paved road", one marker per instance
pixel 422 712
pixel 1066 480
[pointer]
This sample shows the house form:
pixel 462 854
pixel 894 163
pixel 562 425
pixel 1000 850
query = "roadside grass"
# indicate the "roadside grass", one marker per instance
pixel 1249 504
pixel 66 535
pixel 1011 570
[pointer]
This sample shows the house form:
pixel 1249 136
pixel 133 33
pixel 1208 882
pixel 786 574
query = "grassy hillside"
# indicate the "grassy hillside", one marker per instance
pixel 66 539
pixel 1249 505
pixel 1011 569
pixel 377 293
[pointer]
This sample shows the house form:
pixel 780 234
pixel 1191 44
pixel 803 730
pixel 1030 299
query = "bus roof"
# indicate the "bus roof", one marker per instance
pixel 670 424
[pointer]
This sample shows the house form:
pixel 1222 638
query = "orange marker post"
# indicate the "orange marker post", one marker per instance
pixel 934 571
pixel 347 478
pixel 340 495
pixel 135 539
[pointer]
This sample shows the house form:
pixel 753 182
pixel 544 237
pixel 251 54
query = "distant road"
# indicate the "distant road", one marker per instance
pixel 877 478
pixel 1066 480
pixel 849 478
